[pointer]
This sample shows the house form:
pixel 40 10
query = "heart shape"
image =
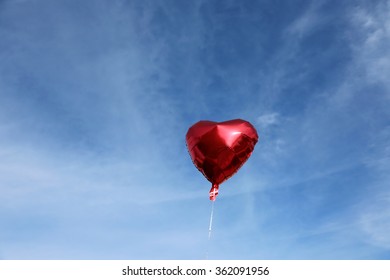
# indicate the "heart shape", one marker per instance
pixel 219 149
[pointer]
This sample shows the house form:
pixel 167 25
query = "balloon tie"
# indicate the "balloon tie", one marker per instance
pixel 214 192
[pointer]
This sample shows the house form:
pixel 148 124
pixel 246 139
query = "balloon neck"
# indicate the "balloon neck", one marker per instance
pixel 214 192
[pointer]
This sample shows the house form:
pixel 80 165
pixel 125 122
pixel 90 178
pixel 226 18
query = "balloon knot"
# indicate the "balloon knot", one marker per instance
pixel 214 192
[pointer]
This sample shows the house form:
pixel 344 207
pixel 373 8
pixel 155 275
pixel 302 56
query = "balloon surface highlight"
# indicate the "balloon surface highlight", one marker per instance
pixel 219 149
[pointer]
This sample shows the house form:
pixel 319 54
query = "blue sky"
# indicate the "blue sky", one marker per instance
pixel 96 98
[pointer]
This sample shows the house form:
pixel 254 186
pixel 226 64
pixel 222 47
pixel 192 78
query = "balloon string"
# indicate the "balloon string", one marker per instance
pixel 210 228
pixel 211 219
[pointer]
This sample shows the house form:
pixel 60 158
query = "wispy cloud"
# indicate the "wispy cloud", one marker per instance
pixel 372 39
pixel 269 119
pixel 375 220
pixel 308 22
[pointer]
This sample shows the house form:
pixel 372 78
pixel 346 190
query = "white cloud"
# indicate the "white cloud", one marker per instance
pixel 268 119
pixel 375 222
pixel 308 22
pixel 371 45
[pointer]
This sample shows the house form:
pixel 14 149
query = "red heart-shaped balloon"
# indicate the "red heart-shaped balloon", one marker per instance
pixel 218 150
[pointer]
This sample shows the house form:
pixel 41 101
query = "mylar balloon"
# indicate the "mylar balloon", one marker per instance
pixel 218 150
